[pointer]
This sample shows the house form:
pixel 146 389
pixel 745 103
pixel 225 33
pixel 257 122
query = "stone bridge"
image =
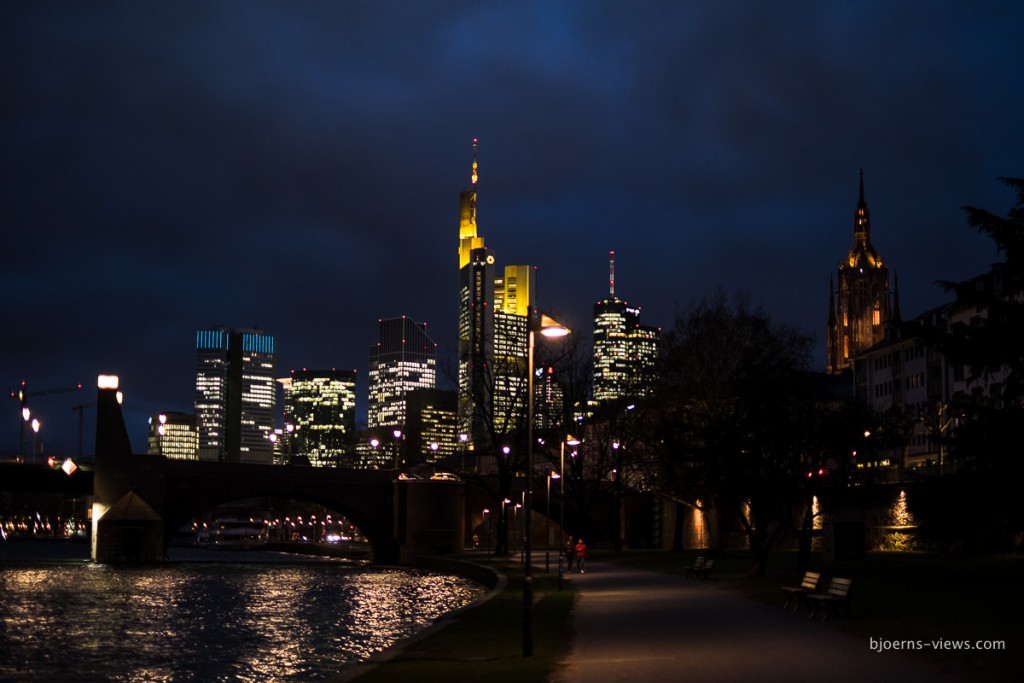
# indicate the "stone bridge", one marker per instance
pixel 140 501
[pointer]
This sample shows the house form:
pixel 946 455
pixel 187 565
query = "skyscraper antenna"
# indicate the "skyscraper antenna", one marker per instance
pixel 611 274
pixel 474 176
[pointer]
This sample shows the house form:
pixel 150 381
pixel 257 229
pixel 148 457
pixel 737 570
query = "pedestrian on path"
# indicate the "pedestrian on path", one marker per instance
pixel 580 551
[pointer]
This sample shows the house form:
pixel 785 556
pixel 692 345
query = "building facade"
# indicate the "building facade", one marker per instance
pixel 432 426
pixel 912 388
pixel 173 435
pixel 513 296
pixel 859 303
pixel 235 395
pixel 625 352
pixel 319 416
pixel 404 359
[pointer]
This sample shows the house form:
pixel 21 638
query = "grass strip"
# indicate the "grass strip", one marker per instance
pixel 485 643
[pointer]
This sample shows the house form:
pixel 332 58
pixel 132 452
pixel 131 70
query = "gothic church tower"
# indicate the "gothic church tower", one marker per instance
pixel 859 307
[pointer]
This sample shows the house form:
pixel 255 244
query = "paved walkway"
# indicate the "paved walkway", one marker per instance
pixel 632 625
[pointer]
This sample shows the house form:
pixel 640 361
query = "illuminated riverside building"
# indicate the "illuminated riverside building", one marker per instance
pixel 476 320
pixel 235 395
pixel 859 309
pixel 319 416
pixel 403 359
pixel 173 435
pixel 625 352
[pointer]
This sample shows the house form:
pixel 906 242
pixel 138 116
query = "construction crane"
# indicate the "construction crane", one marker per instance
pixel 22 395
pixel 80 409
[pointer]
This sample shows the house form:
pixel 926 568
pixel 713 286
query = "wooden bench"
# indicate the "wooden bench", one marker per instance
pixel 705 571
pixel 697 566
pixel 837 595
pixel 797 595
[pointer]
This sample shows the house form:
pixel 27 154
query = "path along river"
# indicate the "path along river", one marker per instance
pixel 209 616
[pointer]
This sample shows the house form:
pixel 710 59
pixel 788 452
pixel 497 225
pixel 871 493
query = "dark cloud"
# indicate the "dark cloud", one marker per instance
pixel 171 166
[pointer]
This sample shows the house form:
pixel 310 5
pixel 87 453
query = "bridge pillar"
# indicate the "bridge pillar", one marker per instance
pixel 128 490
pixel 430 517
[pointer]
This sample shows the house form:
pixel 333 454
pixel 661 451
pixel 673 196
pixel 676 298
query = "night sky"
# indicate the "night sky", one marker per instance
pixel 296 166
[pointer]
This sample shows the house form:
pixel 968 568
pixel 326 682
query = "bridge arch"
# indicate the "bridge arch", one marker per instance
pixel 364 497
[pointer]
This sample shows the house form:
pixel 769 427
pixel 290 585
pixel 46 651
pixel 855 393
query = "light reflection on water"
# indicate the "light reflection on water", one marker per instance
pixel 209 621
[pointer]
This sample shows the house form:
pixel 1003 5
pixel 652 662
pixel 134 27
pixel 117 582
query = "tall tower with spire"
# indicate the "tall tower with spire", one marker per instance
pixel 625 351
pixel 859 300
pixel 476 318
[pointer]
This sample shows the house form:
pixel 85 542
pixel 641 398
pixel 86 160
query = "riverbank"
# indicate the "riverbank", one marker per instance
pixel 482 642
pixel 905 597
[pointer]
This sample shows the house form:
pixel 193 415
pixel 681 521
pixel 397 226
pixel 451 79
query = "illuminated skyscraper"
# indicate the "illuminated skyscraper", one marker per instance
pixel 319 415
pixel 859 311
pixel 625 352
pixel 476 319
pixel 173 435
pixel 513 296
pixel 432 425
pixel 235 395
pixel 403 359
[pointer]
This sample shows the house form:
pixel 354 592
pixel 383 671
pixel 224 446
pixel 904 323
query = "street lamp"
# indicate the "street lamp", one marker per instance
pixel 548 327
pixel 398 445
pixel 26 416
pixel 463 438
pixel 35 434
pixel 547 524
pixel 572 441
pixel 503 528
pixel 487 519
pixel 374 443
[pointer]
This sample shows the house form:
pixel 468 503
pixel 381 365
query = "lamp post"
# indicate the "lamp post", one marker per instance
pixel 547 525
pixel 35 437
pixel 536 322
pixel 572 441
pixel 398 446
pixel 26 416
pixel 487 520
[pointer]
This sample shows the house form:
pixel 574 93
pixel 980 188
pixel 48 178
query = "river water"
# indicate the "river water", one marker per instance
pixel 220 616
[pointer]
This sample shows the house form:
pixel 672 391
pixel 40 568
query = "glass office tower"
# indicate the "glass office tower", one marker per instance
pixel 625 352
pixel 235 395
pixel 403 359
pixel 319 416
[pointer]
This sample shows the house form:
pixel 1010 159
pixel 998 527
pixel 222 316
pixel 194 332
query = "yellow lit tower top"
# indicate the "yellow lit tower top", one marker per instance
pixel 863 253
pixel 468 239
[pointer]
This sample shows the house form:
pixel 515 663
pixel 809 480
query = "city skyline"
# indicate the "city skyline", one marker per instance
pixel 296 170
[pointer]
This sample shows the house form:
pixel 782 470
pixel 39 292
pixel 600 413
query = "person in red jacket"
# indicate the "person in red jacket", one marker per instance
pixel 580 552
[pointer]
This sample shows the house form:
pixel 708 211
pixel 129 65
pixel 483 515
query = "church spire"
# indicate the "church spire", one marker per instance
pixel 862 219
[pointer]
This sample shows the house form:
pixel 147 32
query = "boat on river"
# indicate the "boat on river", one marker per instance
pixel 229 533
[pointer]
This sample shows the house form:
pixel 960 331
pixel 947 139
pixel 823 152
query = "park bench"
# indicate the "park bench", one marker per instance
pixel 797 595
pixel 697 566
pixel 705 571
pixel 835 596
